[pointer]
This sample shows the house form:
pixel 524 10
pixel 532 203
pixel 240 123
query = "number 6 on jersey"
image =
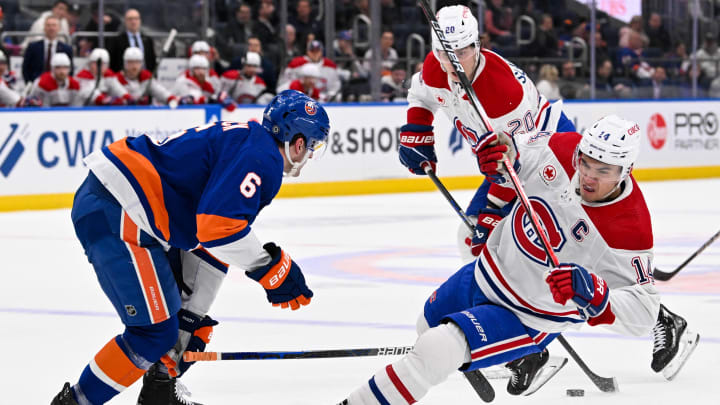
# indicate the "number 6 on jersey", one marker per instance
pixel 249 184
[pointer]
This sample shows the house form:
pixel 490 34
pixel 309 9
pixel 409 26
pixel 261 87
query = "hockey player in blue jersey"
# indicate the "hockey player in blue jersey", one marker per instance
pixel 161 221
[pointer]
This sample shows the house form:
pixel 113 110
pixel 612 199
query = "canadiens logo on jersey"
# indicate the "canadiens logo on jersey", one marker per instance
pixel 310 108
pixel 468 133
pixel 525 237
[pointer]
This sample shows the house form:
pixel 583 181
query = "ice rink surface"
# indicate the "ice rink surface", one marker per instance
pixel 371 261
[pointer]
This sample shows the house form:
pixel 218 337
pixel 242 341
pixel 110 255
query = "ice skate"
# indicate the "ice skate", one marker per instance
pixel 673 343
pixel 531 372
pixel 65 397
pixel 160 389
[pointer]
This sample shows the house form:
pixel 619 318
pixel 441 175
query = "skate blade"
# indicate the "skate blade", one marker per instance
pixel 547 372
pixel 689 341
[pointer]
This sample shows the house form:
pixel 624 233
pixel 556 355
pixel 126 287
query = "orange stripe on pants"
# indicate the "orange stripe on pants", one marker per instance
pixel 145 270
pixel 116 365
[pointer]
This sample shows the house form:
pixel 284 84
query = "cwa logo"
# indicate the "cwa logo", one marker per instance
pixel 657 131
pixel 12 147
pixel 527 240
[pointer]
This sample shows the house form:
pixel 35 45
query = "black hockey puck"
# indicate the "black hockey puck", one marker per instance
pixel 575 393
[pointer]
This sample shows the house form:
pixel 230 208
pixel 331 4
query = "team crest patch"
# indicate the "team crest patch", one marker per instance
pixel 549 173
pixel 310 108
pixel 130 310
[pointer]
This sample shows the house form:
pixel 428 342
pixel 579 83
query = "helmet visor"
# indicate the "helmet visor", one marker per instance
pixel 317 147
pixel 463 54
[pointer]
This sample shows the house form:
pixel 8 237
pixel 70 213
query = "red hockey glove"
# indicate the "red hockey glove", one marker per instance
pixel 588 290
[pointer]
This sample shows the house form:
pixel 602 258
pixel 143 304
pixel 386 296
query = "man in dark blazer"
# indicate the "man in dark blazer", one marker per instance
pixel 38 54
pixel 131 37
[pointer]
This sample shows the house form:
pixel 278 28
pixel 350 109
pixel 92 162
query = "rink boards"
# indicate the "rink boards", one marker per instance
pixel 41 150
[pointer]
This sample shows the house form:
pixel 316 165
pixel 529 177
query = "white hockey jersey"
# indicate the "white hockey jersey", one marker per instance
pixel 107 88
pixel 507 94
pixel 52 93
pixel 8 97
pixel 187 85
pixel 242 89
pixel 328 84
pixel 143 87
pixel 612 239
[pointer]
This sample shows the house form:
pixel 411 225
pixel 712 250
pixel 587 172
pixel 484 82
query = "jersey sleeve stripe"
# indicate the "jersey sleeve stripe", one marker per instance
pixel 149 180
pixel 214 227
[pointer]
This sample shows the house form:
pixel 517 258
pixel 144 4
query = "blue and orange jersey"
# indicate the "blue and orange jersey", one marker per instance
pixel 200 187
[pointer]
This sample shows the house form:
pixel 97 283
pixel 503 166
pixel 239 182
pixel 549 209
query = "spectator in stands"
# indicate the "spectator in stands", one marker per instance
pixel 685 83
pixel 388 54
pixel 418 67
pixel 305 24
pixel 606 86
pixel 350 68
pixel 110 24
pixel 390 13
pixel 658 35
pixel 192 87
pixel 632 58
pixel 658 87
pixel 131 37
pixel 636 25
pixel 708 58
pixel 714 91
pixel 57 87
pixel 263 26
pixel 39 53
pixel 292 49
pixel 569 83
pixel 546 40
pixel 547 83
pixel 233 41
pixel 203 49
pixel 139 83
pixel 498 22
pixel 394 87
pixel 680 64
pixel 245 86
pixel 308 77
pixel 106 90
pixel 60 11
pixel 329 83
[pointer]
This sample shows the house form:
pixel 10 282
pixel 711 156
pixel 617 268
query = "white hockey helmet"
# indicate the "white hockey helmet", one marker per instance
pixel 133 54
pixel 252 59
pixel 459 26
pixel 199 46
pixel 614 141
pixel 99 54
pixel 310 70
pixel 60 59
pixel 198 61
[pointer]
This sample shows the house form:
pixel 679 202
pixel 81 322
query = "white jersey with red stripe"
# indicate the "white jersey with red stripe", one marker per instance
pixel 507 94
pixel 328 83
pixel 144 85
pixel 8 97
pixel 611 239
pixel 243 89
pixel 52 93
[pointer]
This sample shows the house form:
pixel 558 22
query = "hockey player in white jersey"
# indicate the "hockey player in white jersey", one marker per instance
pixel 139 83
pixel 244 85
pixel 512 302
pixel 106 91
pixel 193 86
pixel 57 87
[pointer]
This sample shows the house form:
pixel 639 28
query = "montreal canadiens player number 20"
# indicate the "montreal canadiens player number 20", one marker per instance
pixel 161 221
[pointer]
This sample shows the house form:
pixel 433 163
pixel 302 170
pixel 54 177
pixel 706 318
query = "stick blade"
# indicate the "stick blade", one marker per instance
pixel 481 385
pixel 661 275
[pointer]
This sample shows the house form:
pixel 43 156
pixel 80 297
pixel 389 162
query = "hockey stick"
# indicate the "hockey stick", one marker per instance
pixel 98 63
pixel 163 55
pixel 665 276
pixel 306 354
pixel 603 383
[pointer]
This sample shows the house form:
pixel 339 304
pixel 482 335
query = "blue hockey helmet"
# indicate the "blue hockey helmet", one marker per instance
pixel 292 112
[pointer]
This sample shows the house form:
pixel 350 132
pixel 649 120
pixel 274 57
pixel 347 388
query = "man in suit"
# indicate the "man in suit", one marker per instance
pixel 131 37
pixel 658 87
pixel 39 53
